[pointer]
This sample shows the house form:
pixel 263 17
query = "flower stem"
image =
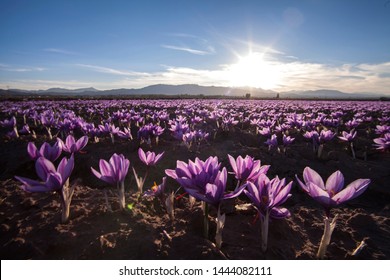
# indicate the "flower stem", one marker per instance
pixel 205 219
pixel 353 151
pixel 121 194
pixel 264 221
pixel 220 224
pixel 325 240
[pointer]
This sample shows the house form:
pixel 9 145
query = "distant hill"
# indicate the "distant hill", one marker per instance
pixel 327 94
pixel 188 90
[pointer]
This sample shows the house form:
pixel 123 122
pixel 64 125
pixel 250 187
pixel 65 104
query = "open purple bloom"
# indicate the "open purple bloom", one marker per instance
pixel 247 169
pixel 313 135
pixel 114 171
pixel 49 152
pixel 383 143
pixel 149 158
pixel 348 136
pixel 272 142
pixel 203 179
pixel 52 179
pixel 382 129
pixel 73 146
pixel 25 130
pixel 11 123
pixel 267 195
pixel 332 193
pixel 287 140
pixel 326 135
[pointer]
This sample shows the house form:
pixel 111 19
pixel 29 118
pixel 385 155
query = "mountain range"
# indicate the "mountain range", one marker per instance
pixel 191 89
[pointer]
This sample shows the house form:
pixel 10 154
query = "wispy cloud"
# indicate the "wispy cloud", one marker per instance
pixel 189 50
pixel 11 68
pixel 60 51
pixel 189 43
pixel 108 70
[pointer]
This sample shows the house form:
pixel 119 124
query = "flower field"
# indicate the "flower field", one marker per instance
pixel 195 179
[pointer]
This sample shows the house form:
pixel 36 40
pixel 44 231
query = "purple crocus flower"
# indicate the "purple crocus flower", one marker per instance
pixel 332 193
pixel 382 129
pixel 287 140
pixel 203 179
pixel 326 135
pixel 267 196
pixel 114 172
pixel 49 152
pixel 25 130
pixel 348 136
pixel 247 169
pixel 11 123
pixel 382 143
pixel 149 158
pixel 157 190
pixel 52 179
pixel 329 195
pixel 272 142
pixel 73 146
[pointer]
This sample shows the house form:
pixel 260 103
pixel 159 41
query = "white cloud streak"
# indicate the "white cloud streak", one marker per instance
pixel 189 50
pixel 10 68
pixel 60 51
pixel 112 71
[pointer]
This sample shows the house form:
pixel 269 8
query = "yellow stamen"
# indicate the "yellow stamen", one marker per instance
pixel 154 187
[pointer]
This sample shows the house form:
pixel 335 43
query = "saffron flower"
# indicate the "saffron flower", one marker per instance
pixel 157 190
pixel 329 195
pixel 52 180
pixel 149 158
pixel 332 193
pixel 272 142
pixel 114 172
pixel 287 140
pixel 73 146
pixel 267 196
pixel 349 137
pixel 247 169
pixel 49 152
pixel 382 143
pixel 204 181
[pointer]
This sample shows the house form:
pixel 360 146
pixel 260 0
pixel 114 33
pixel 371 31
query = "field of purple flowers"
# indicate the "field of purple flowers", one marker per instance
pixel 194 179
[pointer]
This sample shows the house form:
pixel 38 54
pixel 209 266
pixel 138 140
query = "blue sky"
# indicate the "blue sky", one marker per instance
pixel 273 44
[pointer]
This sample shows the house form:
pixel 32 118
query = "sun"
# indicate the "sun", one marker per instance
pixel 255 71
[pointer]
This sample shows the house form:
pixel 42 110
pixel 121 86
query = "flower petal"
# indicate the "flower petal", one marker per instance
pixel 171 173
pixel 81 143
pixel 309 175
pixel 353 190
pixel 30 185
pixel 303 186
pixel 279 213
pixel 320 195
pixel 43 167
pixel 334 183
pixel 32 151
